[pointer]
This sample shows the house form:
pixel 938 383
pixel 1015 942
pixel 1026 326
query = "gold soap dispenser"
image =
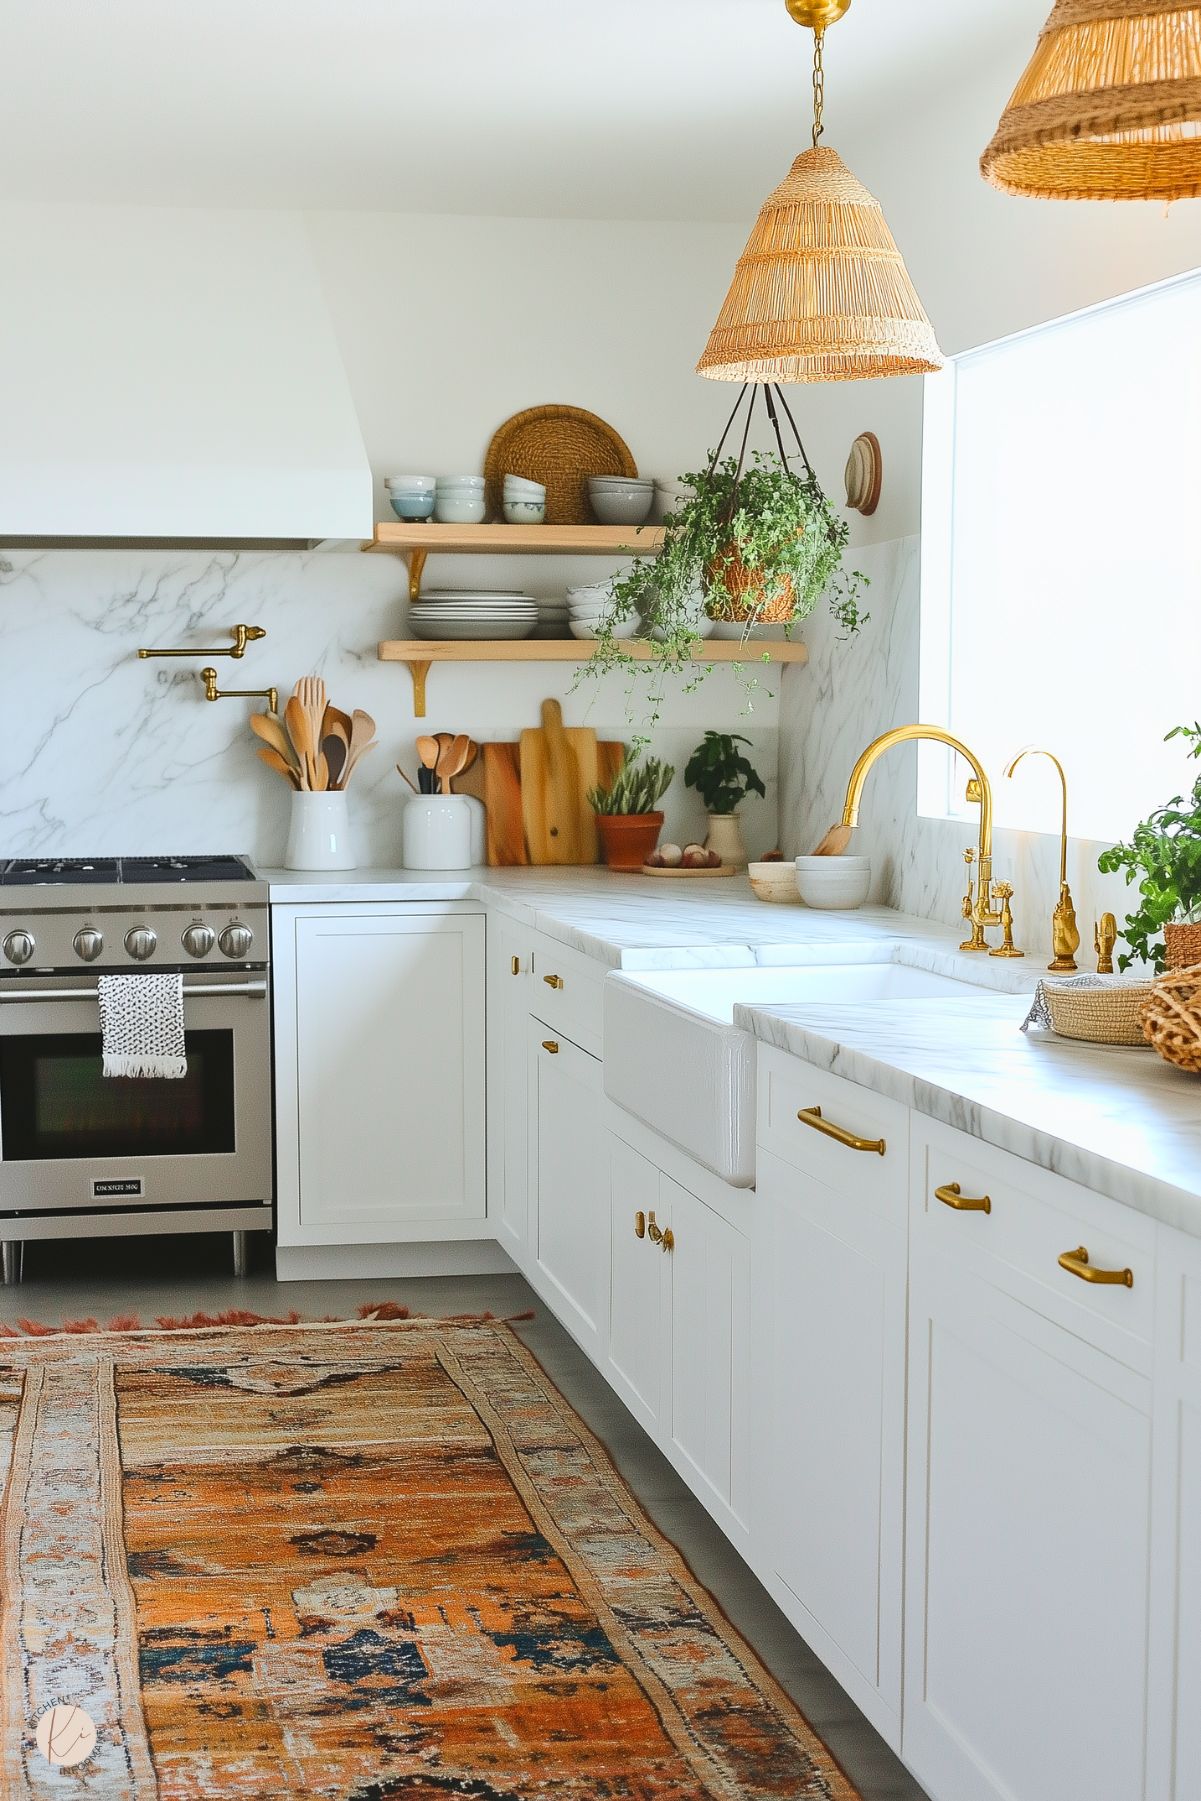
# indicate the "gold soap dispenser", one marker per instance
pixel 1065 933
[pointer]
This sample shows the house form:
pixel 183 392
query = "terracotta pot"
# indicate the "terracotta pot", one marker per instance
pixel 628 839
pixel 1183 945
pixel 736 593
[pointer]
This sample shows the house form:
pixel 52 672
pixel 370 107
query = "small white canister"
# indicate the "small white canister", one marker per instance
pixel 319 833
pixel 437 832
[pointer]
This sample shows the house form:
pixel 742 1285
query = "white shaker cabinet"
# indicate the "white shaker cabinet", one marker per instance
pixel 508 985
pixel 1174 1769
pixel 829 1279
pixel 1029 1485
pixel 568 1157
pixel 379 1043
pixel 640 1287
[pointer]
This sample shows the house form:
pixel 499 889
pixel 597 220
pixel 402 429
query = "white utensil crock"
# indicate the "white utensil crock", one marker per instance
pixel 437 832
pixel 319 834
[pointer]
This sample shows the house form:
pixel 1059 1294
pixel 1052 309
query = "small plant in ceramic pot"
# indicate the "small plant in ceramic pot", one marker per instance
pixel 1164 857
pixel 723 778
pixel 627 815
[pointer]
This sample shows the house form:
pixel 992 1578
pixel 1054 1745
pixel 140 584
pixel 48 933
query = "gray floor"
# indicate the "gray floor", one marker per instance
pixel 182 1276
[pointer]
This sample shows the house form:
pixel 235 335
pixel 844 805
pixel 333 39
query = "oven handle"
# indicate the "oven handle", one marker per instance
pixel 203 990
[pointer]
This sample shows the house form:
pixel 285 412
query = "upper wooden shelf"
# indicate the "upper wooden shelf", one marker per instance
pixel 545 540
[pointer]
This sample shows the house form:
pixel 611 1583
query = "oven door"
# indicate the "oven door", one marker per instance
pixel 72 1138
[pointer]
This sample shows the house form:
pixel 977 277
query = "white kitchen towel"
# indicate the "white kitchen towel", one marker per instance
pixel 141 1026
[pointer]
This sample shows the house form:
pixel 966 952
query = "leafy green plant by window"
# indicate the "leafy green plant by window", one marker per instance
pixel 720 773
pixel 756 541
pixel 638 788
pixel 1164 857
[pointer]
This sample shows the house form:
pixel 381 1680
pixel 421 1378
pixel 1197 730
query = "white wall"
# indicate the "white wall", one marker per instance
pixel 985 264
pixel 446 326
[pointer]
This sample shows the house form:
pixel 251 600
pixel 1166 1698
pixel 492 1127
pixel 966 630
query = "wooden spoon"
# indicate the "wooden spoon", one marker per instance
pixel 362 739
pixel 445 767
pixel 270 728
pixel 273 760
pixel 297 722
pixel 333 749
pixel 456 760
pixel 469 757
pixel 427 752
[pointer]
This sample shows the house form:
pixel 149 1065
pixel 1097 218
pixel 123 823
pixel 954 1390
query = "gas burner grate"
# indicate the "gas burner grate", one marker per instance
pixel 30 872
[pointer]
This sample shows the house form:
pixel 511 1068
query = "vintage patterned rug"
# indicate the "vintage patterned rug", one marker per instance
pixel 364 1561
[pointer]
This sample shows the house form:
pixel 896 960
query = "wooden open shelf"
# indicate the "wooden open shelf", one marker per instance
pixel 416 542
pixel 419 653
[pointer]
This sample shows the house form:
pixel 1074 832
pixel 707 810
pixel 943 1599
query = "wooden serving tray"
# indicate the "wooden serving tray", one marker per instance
pixel 722 869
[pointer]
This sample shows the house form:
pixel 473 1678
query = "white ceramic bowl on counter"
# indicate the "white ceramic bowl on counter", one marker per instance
pixel 833 882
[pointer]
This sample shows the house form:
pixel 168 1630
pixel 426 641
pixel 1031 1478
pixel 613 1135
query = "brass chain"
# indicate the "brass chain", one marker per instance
pixel 819 83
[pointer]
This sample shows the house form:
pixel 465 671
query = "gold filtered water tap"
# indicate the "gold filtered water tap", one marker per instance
pixel 1065 933
pixel 983 911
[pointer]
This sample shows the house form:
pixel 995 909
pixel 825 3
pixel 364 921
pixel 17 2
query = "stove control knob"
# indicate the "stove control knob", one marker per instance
pixel 140 942
pixel 89 942
pixel 198 940
pixel 19 947
pixel 236 940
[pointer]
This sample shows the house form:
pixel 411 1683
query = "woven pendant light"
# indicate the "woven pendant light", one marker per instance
pixel 821 292
pixel 1109 108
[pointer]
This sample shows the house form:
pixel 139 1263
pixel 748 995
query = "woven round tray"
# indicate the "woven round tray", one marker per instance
pixel 1099 1015
pixel 559 446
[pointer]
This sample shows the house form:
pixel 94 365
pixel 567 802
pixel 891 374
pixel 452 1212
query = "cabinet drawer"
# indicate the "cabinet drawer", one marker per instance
pixel 566 990
pixel 789 1088
pixel 1033 1218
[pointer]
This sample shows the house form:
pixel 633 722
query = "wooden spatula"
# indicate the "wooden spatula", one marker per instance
pixel 273 760
pixel 269 727
pixel 310 692
pixel 297 722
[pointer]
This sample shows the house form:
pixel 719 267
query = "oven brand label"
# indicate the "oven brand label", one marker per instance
pixel 119 1188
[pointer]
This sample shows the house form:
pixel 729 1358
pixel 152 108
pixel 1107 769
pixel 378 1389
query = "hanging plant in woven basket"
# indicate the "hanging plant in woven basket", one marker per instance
pixel 757 542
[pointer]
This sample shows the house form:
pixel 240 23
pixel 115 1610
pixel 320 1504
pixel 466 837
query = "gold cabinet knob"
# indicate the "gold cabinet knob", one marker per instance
pixel 553 981
pixel 548 1044
pixel 664 1237
pixel 640 1224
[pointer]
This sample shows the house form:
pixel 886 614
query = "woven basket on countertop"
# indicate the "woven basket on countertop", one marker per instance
pixel 1099 1013
pixel 1171 1016
pixel 559 446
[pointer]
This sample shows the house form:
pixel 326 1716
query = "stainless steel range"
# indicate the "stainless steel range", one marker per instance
pixel 84 1155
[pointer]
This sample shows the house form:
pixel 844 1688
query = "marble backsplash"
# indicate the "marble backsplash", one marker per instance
pixel 105 754
pixel 849 693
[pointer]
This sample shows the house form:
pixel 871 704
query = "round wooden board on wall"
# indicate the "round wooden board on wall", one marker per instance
pixel 559 446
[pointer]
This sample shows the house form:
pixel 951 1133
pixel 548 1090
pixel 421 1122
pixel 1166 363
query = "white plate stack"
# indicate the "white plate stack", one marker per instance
pixel 473 615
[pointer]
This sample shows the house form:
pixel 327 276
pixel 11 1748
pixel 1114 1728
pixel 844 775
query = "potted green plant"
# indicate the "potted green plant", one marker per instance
pixel 755 543
pixel 723 778
pixel 1164 857
pixel 627 815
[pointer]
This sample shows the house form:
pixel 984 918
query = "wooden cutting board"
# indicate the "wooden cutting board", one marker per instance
pixel 556 774
pixel 495 778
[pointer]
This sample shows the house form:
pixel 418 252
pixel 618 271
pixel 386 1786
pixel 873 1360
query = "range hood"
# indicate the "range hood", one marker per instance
pixel 171 374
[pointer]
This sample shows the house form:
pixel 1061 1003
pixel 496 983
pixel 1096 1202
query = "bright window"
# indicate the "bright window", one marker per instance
pixel 1061 561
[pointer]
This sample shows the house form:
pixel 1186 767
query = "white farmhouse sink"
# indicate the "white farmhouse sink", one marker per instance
pixel 675 1060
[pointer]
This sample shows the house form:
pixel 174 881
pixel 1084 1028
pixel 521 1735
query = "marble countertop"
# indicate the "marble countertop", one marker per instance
pixel 640 922
pixel 1122 1122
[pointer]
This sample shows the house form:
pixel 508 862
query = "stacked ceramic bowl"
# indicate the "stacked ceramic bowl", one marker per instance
pixel 411 497
pixel 459 500
pixel 591 606
pixel 470 615
pixel 620 499
pixel 524 501
pixel 554 619
pixel 670 496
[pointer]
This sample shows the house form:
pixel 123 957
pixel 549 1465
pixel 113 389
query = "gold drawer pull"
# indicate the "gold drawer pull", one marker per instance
pixel 812 1116
pixel 1077 1264
pixel 553 981
pixel 640 1224
pixel 515 965
pixel 548 1044
pixel 951 1195
pixel 666 1240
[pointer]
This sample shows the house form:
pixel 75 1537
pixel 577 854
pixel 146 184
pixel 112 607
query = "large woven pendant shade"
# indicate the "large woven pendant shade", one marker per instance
pixel 820 293
pixel 1109 107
